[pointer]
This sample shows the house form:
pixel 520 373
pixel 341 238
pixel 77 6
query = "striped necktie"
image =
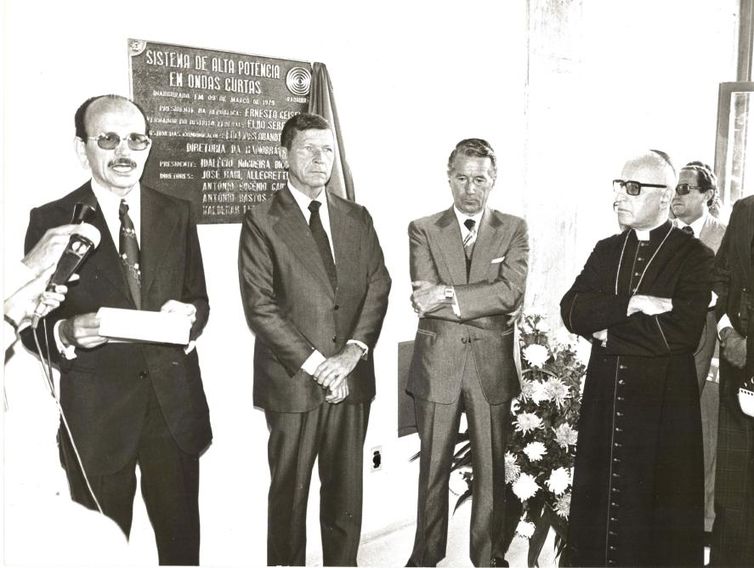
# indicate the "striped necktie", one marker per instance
pixel 468 243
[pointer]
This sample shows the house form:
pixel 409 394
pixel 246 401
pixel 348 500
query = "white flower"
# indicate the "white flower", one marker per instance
pixel 563 505
pixel 525 529
pixel 536 355
pixel 512 469
pixel 525 487
pixel 527 389
pixel 559 480
pixel 535 450
pixel 557 390
pixel 565 435
pixel 539 392
pixel 527 422
pixel 542 326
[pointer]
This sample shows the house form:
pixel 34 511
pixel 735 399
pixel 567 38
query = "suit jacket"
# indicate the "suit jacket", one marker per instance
pixel 711 235
pixel 104 390
pixel 493 292
pixel 291 306
pixel 734 278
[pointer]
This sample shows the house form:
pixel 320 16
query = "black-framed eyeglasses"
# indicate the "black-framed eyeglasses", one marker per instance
pixel 684 188
pixel 111 140
pixel 632 187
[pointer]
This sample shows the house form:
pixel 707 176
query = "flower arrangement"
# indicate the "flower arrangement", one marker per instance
pixel 539 461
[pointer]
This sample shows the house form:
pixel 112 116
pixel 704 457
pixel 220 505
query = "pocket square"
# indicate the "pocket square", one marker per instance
pixel 497 260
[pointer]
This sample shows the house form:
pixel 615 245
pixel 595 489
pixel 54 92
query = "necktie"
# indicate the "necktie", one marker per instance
pixel 468 243
pixel 128 248
pixel 323 243
pixel 688 229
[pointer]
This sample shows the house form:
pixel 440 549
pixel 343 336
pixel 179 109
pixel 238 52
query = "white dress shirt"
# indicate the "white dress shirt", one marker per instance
pixel 696 226
pixel 462 217
pixel 302 200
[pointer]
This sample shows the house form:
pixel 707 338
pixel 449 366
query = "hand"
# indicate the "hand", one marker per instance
pixel 332 372
pixel 337 395
pixel 600 336
pixel 81 331
pixel 733 345
pixel 32 299
pixel 176 307
pixel 427 297
pixel 649 305
pixel 47 251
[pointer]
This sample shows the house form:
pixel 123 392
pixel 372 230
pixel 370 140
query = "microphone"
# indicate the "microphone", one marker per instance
pixel 82 242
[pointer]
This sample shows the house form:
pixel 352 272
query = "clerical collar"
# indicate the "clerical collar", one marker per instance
pixel 647 234
pixel 695 225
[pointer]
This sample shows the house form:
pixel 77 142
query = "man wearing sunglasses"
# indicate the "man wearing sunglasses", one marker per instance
pixel 641 299
pixel 694 195
pixel 130 403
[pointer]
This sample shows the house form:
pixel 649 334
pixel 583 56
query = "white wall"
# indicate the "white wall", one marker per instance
pixel 559 97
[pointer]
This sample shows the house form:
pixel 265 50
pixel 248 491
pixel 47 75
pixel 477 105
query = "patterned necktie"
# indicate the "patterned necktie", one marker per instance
pixel 468 243
pixel 323 243
pixel 688 229
pixel 128 248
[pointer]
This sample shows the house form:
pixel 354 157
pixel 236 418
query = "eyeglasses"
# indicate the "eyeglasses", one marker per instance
pixel 632 187
pixel 111 140
pixel 684 188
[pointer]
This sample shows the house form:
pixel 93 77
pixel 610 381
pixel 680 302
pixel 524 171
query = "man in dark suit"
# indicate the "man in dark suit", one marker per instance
pixel 315 289
pixel 130 403
pixel 733 540
pixel 695 193
pixel 468 270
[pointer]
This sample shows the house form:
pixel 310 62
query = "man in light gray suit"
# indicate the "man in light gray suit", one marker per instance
pixel 315 289
pixel 468 270
pixel 695 193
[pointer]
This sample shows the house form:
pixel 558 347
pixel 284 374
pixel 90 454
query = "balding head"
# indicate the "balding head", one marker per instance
pixel 649 209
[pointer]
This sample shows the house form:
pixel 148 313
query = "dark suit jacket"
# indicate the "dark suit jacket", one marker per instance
pixel 495 290
pixel 104 390
pixel 291 306
pixel 734 278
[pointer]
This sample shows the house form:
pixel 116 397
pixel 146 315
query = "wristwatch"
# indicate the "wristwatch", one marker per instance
pixel 450 293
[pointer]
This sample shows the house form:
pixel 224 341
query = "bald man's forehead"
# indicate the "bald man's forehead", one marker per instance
pixel 648 169
pixel 106 109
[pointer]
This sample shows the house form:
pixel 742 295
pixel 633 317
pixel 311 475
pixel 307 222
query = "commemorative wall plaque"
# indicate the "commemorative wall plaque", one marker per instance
pixel 215 122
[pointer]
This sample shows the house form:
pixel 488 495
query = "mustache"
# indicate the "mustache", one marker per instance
pixel 122 162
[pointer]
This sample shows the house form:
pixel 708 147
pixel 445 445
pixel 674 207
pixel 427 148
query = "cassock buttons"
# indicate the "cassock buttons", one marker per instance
pixel 143 374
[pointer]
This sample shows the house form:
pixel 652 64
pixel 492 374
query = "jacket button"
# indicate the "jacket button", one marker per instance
pixel 143 374
pixel 334 338
pixel 463 340
pixel 622 367
pixel 336 307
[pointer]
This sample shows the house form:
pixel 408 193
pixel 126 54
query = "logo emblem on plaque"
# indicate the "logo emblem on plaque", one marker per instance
pixel 298 80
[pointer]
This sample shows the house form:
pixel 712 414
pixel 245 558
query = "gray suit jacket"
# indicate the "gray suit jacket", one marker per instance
pixel 291 306
pixel 494 291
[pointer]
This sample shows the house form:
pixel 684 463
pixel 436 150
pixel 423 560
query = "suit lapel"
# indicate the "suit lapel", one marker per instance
pixel 105 261
pixel 158 224
pixel 293 230
pixel 484 248
pixel 343 231
pixel 450 246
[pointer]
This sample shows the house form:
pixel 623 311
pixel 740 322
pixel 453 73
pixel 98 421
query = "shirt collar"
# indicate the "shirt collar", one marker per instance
pixel 695 225
pixel 107 198
pixel 303 200
pixel 461 216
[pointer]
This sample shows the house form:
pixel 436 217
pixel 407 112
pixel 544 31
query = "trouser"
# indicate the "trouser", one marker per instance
pixel 489 431
pixel 169 486
pixel 333 434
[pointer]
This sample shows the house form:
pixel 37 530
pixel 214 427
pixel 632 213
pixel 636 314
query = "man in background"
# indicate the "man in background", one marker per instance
pixel 315 290
pixel 733 535
pixel 130 403
pixel 642 300
pixel 468 271
pixel 695 192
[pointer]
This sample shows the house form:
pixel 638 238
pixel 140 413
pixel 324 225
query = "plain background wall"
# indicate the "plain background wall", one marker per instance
pixel 562 90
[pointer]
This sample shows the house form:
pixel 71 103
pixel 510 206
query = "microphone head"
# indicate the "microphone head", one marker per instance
pixel 83 213
pixel 88 232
